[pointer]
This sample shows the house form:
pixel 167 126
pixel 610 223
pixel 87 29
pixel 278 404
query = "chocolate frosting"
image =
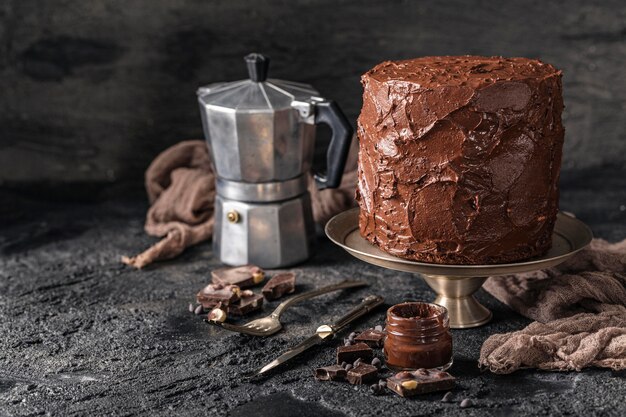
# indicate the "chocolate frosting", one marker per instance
pixel 459 158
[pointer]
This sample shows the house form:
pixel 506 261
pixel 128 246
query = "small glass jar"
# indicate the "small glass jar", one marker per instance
pixel 418 336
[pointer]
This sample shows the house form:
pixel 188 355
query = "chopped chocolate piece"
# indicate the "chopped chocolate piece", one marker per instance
pixel 330 373
pixel 198 310
pixel 246 305
pixel 213 294
pixel 191 308
pixel 421 381
pixel 376 362
pixel 348 367
pixel 357 362
pixel 279 285
pixel 353 352
pixel 373 338
pixel 362 374
pixel 242 276
pixel 378 328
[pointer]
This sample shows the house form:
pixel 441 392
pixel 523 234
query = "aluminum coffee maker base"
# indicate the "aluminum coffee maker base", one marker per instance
pixel 270 235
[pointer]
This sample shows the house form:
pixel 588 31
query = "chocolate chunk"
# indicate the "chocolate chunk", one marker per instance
pixel 373 338
pixel 362 374
pixel 213 294
pixel 421 381
pixel 242 276
pixel 376 362
pixel 330 373
pixel 246 305
pixel 198 310
pixel 353 352
pixel 279 285
pixel 378 328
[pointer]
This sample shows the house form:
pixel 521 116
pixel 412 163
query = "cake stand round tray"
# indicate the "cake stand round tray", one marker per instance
pixel 456 284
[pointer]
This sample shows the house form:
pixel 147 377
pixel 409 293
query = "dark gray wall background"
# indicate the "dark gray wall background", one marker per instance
pixel 91 91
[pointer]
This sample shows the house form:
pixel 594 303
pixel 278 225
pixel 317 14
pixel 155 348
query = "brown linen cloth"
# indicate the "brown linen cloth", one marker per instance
pixel 580 308
pixel 181 188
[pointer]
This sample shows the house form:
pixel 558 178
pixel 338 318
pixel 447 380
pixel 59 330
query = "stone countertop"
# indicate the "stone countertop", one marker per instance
pixel 83 334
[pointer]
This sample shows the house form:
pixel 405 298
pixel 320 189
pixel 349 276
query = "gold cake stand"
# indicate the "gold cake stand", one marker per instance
pixel 456 284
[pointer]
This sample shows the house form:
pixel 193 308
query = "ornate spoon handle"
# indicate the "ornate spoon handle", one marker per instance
pixel 314 293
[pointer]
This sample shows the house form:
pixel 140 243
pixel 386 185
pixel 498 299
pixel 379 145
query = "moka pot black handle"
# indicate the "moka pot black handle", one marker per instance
pixel 328 112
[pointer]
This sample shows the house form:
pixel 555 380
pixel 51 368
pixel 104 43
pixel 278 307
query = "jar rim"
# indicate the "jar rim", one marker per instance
pixel 437 309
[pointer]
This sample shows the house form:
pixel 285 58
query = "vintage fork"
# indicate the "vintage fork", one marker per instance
pixel 269 325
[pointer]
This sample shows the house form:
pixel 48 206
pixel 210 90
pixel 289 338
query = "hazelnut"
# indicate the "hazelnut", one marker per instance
pixel 258 276
pixel 411 384
pixel 247 293
pixel 218 315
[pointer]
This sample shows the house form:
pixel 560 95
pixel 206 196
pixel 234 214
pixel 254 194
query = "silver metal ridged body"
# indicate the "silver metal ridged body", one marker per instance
pixel 259 131
pixel 261 137
pixel 270 235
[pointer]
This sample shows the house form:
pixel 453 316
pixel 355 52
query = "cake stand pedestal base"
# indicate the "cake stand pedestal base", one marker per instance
pixel 457 295
pixel 455 285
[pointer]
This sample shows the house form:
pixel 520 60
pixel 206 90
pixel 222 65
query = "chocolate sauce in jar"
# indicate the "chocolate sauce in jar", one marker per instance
pixel 418 336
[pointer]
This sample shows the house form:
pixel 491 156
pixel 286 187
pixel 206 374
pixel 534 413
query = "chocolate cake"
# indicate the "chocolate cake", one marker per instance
pixel 459 158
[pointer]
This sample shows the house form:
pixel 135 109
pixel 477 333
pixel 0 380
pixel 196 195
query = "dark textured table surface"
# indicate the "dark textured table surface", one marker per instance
pixel 83 334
